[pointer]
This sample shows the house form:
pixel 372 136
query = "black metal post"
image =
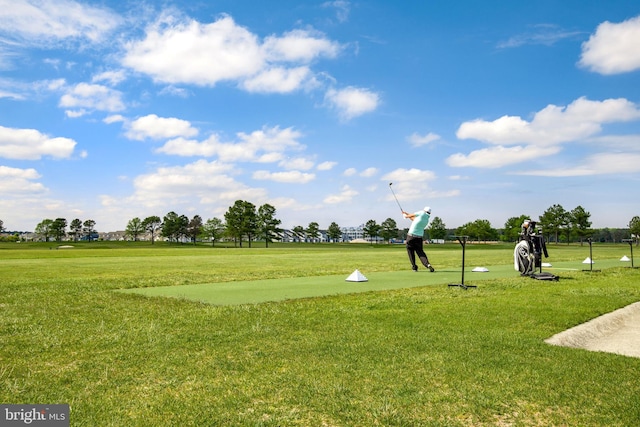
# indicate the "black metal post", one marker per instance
pixel 630 242
pixel 590 257
pixel 463 242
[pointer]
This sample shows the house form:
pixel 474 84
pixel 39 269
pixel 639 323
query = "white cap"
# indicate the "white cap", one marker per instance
pixel 427 209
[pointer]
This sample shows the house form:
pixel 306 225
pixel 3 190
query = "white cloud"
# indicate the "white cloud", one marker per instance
pixel 11 89
pixel 352 102
pixel 189 147
pixel 74 114
pixel 112 77
pixel 267 145
pixel 19 181
pixel 326 166
pixel 11 95
pixel 202 187
pixel 55 84
pixel 154 127
pixel 184 51
pixel 409 175
pixel 543 135
pixel 272 139
pixel 292 177
pixel 115 118
pixel 299 163
pixel 553 124
pixel 299 46
pixel 24 209
pixel 345 195
pixel 410 184
pixel 597 164
pixel 191 52
pixel 369 172
pixel 172 90
pixel 46 21
pixel 208 53
pixel 620 142
pixel 499 156
pixel 211 147
pixel 278 80
pixel 543 34
pixel 614 48
pixel 30 144
pixel 417 140
pixel 350 172
pixel 342 8
pixel 93 97
pixel 270 157
pixel 201 181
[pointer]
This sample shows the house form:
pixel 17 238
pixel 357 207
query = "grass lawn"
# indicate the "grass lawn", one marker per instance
pixel 406 351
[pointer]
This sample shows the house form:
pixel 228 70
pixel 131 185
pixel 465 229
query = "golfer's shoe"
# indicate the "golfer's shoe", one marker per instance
pixel 431 269
pixel 415 269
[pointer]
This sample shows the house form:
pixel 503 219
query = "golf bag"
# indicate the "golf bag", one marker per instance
pixel 527 255
pixel 523 258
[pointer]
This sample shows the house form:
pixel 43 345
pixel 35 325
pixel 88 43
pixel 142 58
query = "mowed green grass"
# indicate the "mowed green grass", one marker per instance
pixel 421 355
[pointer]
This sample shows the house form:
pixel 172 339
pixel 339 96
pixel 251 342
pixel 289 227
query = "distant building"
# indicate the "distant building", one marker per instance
pixel 352 233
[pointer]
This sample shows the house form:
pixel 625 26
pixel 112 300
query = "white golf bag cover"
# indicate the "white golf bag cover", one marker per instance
pixel 523 259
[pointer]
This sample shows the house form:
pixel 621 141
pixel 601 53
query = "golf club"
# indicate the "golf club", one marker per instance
pixel 394 196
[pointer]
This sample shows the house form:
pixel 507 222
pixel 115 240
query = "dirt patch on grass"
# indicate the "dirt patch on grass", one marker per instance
pixel 616 332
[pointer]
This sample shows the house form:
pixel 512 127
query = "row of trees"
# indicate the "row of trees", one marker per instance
pixel 243 219
pixel 245 222
pixel 556 220
pixel 57 229
pixel 556 224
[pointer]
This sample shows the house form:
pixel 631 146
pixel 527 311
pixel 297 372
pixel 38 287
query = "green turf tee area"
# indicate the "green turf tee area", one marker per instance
pixel 421 355
pixel 270 290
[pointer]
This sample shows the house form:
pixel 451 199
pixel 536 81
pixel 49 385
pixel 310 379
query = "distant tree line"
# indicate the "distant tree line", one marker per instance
pixel 244 222
pixel 56 229
pixel 557 225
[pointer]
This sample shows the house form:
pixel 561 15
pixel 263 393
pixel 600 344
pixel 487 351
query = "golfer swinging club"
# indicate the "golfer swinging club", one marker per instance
pixel 419 222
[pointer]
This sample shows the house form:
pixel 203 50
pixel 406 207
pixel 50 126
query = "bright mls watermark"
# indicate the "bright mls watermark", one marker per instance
pixel 34 415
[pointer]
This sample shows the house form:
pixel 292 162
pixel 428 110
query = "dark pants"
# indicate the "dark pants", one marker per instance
pixel 414 246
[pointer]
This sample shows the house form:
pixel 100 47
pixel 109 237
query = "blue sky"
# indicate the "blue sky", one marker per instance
pixel 111 110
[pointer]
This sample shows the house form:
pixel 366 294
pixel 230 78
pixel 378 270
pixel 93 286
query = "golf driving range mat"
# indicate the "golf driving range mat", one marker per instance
pixel 269 290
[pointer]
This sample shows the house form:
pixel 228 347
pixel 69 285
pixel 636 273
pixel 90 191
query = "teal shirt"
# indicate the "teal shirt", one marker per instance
pixel 419 223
